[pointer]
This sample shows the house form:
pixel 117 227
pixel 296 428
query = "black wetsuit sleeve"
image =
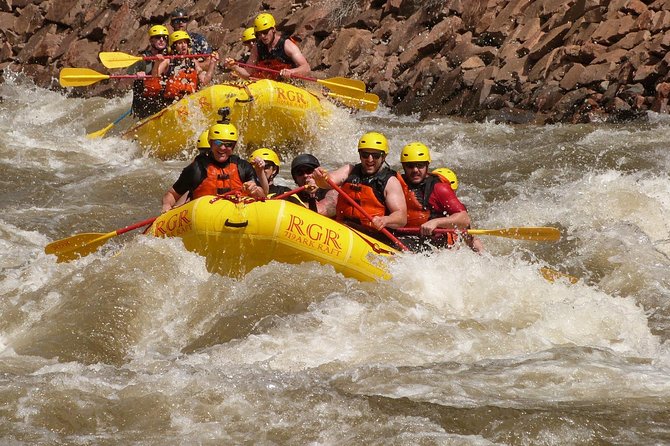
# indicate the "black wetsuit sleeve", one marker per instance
pixel 187 179
pixel 247 172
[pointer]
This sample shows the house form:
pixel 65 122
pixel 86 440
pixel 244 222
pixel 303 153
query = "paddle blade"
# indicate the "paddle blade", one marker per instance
pixel 368 102
pixel 343 86
pixel 77 246
pixel 117 59
pixel 552 275
pixel 80 77
pixel 100 133
pixel 538 234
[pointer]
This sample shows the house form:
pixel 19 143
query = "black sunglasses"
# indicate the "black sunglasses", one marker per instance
pixel 179 20
pixel 303 171
pixel 374 155
pixel 418 165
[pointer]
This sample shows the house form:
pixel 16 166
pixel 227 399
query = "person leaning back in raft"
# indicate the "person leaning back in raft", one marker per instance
pixel 183 76
pixel 218 171
pixel 273 50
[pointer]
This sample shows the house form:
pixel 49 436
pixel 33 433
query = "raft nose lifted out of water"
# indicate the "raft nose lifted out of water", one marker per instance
pixel 268 112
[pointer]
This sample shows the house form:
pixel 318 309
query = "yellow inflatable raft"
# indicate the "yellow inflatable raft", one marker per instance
pixel 236 236
pixel 266 112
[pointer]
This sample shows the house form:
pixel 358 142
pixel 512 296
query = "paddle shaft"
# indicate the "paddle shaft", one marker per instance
pixel 358 207
pixel 148 221
pixel 270 70
pixel 540 234
pixel 177 56
pixel 288 193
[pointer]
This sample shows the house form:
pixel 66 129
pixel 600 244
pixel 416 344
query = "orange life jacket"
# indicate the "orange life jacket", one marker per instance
pixel 368 192
pixel 181 79
pixel 152 87
pixel 219 180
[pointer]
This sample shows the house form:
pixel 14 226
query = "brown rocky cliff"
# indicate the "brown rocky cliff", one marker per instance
pixel 516 60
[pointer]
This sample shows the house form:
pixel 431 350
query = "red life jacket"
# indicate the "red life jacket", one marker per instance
pixel 219 180
pixel 181 79
pixel 368 192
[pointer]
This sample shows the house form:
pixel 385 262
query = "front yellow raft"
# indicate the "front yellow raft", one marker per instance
pixel 236 237
pixel 266 112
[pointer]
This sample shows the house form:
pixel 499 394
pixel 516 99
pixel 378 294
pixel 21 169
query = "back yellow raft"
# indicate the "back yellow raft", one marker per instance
pixel 235 237
pixel 266 112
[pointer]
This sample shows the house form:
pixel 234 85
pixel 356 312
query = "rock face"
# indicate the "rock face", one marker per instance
pixel 508 60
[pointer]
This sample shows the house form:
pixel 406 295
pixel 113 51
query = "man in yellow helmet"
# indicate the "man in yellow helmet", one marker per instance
pixel 273 50
pixel 249 41
pixel 372 185
pixel 218 171
pixel 431 203
pixel 148 92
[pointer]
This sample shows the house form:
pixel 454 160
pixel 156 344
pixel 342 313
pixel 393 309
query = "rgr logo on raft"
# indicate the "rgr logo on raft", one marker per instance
pixel 176 224
pixel 292 98
pixel 313 235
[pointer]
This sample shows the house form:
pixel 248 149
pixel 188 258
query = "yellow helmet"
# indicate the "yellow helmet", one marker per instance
pixel 248 34
pixel 263 21
pixel 415 152
pixel 448 175
pixel 158 30
pixel 226 132
pixel 265 154
pixel 179 35
pixel 203 140
pixel 373 141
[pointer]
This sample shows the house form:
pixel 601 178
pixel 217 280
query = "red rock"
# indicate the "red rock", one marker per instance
pixel 571 78
pixel 549 41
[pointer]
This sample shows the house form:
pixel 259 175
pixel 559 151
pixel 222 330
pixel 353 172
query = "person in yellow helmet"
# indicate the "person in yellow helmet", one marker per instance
pixel 148 91
pixel 370 183
pixel 183 76
pixel 218 171
pixel 431 203
pixel 273 50
pixel 270 169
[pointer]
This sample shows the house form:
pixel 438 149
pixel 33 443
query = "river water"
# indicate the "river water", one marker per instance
pixel 139 344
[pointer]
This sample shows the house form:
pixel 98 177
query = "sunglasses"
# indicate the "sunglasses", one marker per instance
pixel 366 155
pixel 221 142
pixel 304 171
pixel 420 165
pixel 160 37
pixel 262 33
pixel 178 21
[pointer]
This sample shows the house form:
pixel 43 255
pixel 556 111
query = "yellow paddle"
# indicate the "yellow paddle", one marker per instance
pixel 81 77
pixel 118 59
pixel 552 275
pixel 368 102
pixel 537 234
pixel 81 245
pixel 100 133
pixel 338 85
